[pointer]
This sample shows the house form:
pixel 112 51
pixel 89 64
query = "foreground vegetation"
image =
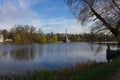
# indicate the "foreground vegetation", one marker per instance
pixel 85 71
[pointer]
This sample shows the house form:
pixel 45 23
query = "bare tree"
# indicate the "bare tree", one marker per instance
pixel 105 13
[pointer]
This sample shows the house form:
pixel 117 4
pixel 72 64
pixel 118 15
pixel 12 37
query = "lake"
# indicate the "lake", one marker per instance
pixel 22 58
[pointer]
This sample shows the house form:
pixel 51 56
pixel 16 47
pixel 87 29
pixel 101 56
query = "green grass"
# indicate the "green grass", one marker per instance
pixel 84 71
pixel 101 72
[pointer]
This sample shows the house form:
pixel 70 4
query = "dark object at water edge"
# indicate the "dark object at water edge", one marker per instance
pixel 111 54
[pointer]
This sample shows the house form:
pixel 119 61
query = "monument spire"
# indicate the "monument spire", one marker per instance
pixel 66 37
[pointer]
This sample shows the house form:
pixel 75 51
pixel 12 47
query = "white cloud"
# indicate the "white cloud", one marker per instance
pixel 60 24
pixel 23 4
pixel 17 12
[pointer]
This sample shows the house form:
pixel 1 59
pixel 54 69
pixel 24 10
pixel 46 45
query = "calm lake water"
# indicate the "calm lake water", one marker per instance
pixel 22 58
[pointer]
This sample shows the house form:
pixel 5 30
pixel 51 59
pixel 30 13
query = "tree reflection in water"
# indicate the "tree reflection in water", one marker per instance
pixel 29 52
pixel 100 47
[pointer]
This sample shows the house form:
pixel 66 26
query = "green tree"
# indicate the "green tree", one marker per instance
pixel 5 34
pixel 74 37
pixel 26 33
pixel 54 38
pixel 41 38
pixel 51 37
pixel 17 38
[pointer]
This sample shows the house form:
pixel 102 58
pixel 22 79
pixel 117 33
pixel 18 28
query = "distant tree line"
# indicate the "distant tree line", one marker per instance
pixel 23 34
pixel 92 37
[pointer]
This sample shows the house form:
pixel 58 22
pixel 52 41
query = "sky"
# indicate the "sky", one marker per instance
pixel 49 15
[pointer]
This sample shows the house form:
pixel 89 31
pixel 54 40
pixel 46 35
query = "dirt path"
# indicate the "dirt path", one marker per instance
pixel 116 76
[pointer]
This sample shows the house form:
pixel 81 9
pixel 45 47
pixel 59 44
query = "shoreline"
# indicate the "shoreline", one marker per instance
pixel 85 71
pixel 63 74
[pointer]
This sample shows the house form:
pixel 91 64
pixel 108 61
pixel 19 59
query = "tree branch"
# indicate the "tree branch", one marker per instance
pixel 116 5
pixel 116 10
pixel 101 30
pixel 113 30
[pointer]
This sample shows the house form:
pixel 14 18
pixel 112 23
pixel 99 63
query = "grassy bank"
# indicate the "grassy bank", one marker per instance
pixel 85 71
pixel 101 72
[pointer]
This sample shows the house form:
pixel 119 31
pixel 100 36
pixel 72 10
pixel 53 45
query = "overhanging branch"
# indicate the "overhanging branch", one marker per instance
pixel 116 5
pixel 113 30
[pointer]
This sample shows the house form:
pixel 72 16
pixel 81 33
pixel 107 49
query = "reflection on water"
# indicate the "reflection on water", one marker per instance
pixel 29 53
pixel 15 58
pixel 21 52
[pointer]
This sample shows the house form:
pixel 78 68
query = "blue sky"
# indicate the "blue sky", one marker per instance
pixel 49 15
